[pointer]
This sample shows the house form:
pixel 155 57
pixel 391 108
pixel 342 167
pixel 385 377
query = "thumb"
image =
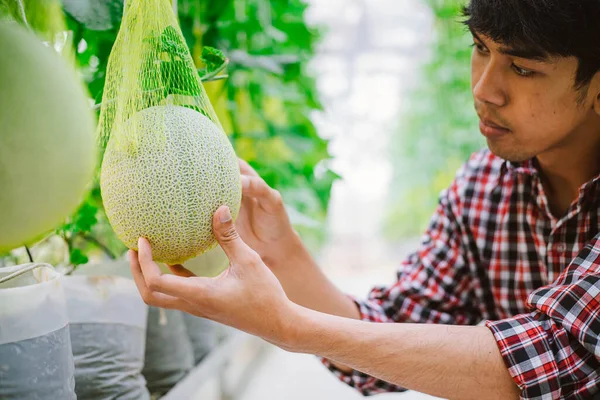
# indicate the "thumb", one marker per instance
pixel 236 250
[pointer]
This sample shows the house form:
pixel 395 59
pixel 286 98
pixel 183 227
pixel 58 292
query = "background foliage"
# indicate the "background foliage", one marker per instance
pixel 264 106
pixel 439 131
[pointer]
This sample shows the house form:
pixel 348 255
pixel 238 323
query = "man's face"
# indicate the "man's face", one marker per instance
pixel 527 106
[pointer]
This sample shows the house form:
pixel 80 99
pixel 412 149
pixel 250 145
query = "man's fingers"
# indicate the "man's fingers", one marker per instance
pixel 252 184
pixel 180 270
pixel 255 187
pixel 153 298
pixel 144 252
pixel 236 250
pixel 176 286
pixel 246 169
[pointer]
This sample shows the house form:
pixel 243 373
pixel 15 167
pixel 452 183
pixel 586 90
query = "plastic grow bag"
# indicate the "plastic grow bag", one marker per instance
pixel 203 334
pixel 169 353
pixel 36 361
pixel 108 332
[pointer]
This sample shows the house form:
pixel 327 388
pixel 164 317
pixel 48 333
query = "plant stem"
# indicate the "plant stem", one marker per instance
pixel 99 244
pixel 210 76
pixel 215 78
pixel 29 254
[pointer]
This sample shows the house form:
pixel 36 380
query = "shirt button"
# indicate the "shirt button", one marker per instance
pixel 561 247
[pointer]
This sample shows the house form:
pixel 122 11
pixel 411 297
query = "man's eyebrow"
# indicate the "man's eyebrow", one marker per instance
pixel 475 35
pixel 527 53
pixel 522 52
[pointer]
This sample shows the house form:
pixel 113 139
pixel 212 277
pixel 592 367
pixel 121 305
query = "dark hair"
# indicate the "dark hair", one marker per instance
pixel 561 28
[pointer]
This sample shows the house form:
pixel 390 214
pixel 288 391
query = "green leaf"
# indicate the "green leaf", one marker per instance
pixel 171 43
pixel 95 15
pixel 212 58
pixel 76 257
pixel 83 220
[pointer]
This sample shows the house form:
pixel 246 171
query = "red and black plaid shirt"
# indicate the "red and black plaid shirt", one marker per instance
pixel 494 252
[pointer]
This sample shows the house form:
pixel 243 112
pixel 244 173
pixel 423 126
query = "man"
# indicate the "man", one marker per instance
pixel 502 299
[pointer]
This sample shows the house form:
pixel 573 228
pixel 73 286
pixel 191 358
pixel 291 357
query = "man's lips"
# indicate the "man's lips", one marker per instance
pixel 490 129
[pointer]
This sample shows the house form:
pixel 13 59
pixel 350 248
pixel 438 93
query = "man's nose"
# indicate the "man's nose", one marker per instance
pixel 489 88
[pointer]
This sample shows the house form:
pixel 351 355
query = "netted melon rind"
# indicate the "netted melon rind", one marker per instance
pixel 167 183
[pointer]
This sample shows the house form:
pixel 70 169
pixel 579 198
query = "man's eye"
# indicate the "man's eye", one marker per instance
pixel 480 48
pixel 522 71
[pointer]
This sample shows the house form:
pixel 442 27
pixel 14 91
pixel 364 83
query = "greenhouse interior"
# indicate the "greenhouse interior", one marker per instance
pixel 299 199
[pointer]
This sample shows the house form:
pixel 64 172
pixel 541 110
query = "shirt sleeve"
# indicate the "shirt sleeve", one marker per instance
pixel 554 352
pixel 433 286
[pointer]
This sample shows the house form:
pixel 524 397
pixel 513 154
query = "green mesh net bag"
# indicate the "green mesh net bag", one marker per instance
pixel 167 164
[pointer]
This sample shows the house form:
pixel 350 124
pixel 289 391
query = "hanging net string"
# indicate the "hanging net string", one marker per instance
pixel 150 65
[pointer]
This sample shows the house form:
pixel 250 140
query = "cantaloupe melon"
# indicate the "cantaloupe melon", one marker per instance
pixel 47 144
pixel 209 264
pixel 164 174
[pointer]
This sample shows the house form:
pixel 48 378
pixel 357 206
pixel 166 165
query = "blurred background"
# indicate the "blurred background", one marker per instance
pixel 359 112
pixel 393 79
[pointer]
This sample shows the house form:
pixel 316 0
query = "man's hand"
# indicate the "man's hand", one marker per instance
pixel 246 296
pixel 264 225
pixel 263 222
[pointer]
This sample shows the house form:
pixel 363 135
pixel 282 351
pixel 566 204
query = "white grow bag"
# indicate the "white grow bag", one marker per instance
pixel 36 361
pixel 107 319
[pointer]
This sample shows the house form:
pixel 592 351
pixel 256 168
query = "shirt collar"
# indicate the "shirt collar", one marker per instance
pixel 527 167
pixel 589 185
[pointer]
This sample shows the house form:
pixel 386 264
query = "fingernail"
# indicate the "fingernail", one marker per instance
pixel 225 216
pixel 245 182
pixel 141 243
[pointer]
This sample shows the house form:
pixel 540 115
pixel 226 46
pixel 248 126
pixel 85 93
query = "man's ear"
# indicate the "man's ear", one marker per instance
pixel 594 89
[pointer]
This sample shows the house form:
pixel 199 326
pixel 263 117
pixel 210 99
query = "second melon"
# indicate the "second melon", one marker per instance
pixel 164 174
